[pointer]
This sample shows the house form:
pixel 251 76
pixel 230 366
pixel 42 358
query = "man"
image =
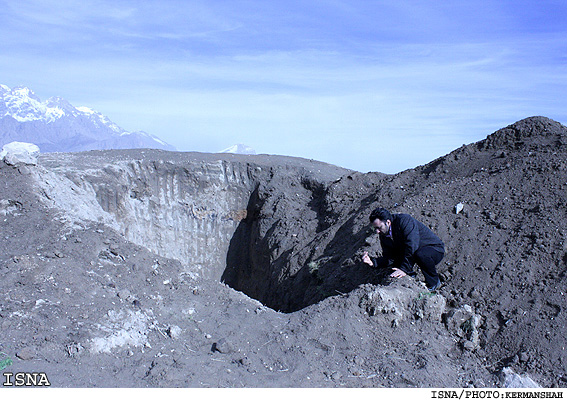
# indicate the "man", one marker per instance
pixel 405 242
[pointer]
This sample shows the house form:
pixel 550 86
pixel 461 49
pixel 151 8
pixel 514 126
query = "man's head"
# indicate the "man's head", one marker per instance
pixel 381 220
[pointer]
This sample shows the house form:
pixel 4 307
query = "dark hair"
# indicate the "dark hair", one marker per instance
pixel 380 213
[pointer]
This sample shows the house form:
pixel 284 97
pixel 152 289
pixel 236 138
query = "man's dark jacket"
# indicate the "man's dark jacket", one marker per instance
pixel 408 235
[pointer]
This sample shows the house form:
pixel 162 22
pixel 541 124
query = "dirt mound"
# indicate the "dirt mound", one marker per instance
pixel 111 263
pixel 500 206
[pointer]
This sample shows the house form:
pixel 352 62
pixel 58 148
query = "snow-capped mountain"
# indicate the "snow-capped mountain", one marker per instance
pixel 57 126
pixel 239 149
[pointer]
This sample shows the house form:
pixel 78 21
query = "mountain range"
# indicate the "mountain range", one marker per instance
pixel 55 125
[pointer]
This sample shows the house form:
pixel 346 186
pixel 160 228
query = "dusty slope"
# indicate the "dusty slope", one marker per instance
pixel 90 308
pixel 507 252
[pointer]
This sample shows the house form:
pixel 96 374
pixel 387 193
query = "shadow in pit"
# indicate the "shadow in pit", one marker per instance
pixel 239 259
pixel 248 263
pixel 337 270
pixel 249 271
pixel 340 268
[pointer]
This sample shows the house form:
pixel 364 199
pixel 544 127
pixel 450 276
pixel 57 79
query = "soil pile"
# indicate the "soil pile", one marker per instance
pixel 92 295
pixel 500 205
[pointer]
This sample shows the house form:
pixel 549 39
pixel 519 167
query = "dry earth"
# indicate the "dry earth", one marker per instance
pixel 161 269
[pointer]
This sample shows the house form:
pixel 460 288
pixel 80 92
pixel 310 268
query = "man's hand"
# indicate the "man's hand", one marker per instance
pixel 398 273
pixel 366 259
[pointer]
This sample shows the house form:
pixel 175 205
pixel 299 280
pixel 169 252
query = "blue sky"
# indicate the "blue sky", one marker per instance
pixel 367 85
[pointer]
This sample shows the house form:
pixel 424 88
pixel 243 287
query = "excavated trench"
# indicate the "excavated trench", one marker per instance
pixel 237 221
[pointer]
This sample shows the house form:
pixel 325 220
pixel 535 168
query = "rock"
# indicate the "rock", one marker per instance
pixel 392 302
pixel 475 294
pixel 469 346
pixel 464 323
pixel 16 153
pixel 74 349
pixel 404 299
pixel 174 331
pixel 125 294
pixel 26 353
pixel 11 207
pixel 459 208
pixel 243 361
pixel 524 357
pixel 512 380
pixel 336 376
pixel 430 307
pixel 222 346
pixel 358 360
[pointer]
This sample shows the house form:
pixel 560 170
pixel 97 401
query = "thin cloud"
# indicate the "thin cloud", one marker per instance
pixel 419 78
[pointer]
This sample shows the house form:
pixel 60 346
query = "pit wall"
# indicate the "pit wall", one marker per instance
pixel 187 212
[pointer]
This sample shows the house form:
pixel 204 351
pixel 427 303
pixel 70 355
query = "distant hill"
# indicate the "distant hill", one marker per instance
pixel 57 126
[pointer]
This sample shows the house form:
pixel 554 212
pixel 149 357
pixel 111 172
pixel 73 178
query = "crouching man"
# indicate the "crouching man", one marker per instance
pixel 405 242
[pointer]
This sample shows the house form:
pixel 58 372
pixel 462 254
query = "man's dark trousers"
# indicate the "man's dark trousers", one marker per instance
pixel 427 259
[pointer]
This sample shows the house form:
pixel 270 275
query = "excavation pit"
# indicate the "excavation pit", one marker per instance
pixel 230 220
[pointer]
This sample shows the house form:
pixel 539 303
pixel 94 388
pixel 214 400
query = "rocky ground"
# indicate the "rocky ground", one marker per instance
pixel 294 307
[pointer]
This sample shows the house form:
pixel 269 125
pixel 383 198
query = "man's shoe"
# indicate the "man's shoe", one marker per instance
pixel 434 288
